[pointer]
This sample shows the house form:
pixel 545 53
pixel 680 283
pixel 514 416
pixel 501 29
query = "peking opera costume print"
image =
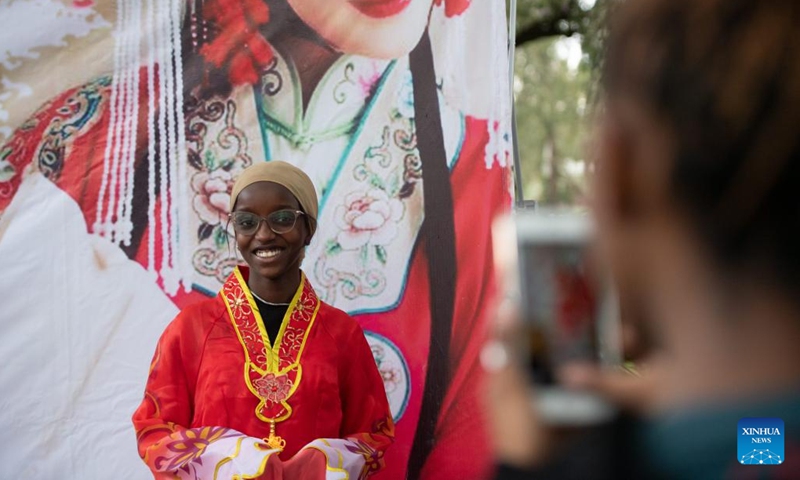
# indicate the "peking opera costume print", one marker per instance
pixel 115 180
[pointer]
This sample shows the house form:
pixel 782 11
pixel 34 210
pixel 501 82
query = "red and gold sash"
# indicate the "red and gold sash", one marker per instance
pixel 272 372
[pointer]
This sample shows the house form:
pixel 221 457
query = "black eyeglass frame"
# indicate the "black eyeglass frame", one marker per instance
pixel 232 215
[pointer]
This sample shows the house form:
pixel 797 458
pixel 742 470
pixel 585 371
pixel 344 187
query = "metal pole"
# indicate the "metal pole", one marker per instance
pixel 519 198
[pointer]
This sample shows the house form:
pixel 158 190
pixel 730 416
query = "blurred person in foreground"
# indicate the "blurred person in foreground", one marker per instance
pixel 698 167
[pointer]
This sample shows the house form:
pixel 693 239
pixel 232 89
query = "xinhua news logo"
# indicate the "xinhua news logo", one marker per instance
pixel 760 441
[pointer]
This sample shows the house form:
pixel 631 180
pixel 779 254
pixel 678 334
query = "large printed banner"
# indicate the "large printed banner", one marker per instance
pixel 123 125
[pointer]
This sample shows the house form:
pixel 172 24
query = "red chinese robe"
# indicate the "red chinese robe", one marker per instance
pixel 222 401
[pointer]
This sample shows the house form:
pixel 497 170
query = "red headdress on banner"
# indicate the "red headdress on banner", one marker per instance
pixel 453 7
pixel 240 44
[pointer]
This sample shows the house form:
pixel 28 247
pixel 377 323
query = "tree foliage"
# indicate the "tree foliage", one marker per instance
pixel 554 98
pixel 542 19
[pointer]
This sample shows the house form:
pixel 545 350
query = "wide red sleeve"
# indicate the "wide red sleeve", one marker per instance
pixel 168 442
pixel 167 404
pixel 367 429
pixel 64 140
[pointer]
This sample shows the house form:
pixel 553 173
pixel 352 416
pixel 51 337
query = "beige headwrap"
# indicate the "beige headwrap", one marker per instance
pixel 282 173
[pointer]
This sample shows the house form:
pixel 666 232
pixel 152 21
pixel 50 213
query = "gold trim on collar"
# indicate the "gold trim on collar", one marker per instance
pixel 271 372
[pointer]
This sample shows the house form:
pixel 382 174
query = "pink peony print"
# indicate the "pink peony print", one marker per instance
pixel 368 218
pixel 368 79
pixel 212 195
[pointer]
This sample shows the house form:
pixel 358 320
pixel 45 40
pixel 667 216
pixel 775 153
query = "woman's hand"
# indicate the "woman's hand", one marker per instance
pixel 520 437
pixel 517 434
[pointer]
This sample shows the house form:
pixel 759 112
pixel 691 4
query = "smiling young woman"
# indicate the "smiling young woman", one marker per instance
pixel 265 373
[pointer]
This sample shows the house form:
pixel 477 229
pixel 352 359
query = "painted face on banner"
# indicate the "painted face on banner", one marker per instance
pixel 373 28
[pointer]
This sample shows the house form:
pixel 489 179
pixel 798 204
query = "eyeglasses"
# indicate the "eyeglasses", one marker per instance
pixel 280 222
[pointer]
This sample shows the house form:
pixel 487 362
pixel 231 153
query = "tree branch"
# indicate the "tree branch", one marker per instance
pixel 566 19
